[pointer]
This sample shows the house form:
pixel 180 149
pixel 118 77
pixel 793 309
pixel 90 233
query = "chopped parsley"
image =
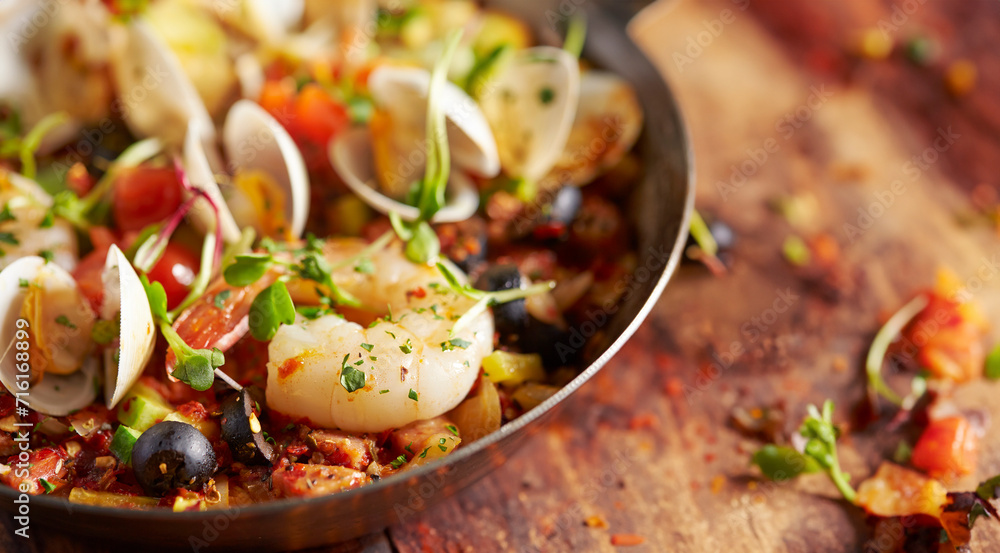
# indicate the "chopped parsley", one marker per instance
pixel 413 395
pixel 47 255
pixel 9 238
pixel 398 461
pixel 23 283
pixel 383 391
pixel 350 378
pixel 368 347
pixel 221 297
pixel 49 486
pixel 407 347
pixel 453 429
pixel 6 215
pixel 365 266
pixel 455 343
pixel 64 320
pixel 546 95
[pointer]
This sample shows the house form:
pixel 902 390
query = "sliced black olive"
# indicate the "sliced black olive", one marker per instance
pixel 172 455
pixel 509 317
pixel 552 343
pixel 566 205
pixel 242 431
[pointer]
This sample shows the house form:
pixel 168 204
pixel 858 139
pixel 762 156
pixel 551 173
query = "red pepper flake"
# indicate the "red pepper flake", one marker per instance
pixel 627 539
pixel 419 293
pixel 300 449
pixel 289 367
pixel 645 420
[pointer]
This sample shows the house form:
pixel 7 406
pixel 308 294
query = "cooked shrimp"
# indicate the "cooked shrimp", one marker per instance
pixel 414 369
pixel 24 227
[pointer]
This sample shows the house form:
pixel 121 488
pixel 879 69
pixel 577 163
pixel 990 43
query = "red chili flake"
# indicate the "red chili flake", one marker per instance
pixel 300 449
pixel 289 367
pixel 627 539
pixel 645 420
pixel 419 293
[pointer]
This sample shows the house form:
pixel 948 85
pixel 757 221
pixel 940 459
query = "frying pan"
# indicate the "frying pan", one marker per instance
pixel 659 209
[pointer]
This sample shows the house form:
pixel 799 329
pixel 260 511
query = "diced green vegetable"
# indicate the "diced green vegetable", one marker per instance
pixel 142 407
pixel 122 442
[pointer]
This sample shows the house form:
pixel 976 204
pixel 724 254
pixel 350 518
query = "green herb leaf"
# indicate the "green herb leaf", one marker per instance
pixel 455 343
pixel 247 268
pixel 221 297
pixel 413 395
pixel 350 378
pixel 407 347
pixel 782 463
pixel 398 461
pixel 47 255
pixel 64 321
pixel 49 486
pixel 9 238
pixel 453 429
pixel 270 309
pixel 383 391
pixel 157 297
pixel 368 347
pixel 6 215
pixel 425 246
pixel 104 331
pixel 364 266
pixel 992 369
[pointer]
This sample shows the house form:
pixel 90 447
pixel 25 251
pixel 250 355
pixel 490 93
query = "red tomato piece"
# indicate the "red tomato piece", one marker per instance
pixel 176 270
pixel 318 116
pixel 947 447
pixel 144 196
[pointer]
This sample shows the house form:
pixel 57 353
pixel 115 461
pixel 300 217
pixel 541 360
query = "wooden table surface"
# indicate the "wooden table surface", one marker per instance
pixel 769 88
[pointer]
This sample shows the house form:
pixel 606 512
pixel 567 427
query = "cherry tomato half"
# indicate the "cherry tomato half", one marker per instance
pixel 947 447
pixel 176 271
pixel 145 195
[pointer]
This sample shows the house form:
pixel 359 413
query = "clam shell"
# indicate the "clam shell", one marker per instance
pixel 55 395
pixel 608 121
pixel 157 97
pixel 352 156
pixel 531 106
pixel 402 93
pixel 201 174
pixel 253 140
pixel 124 293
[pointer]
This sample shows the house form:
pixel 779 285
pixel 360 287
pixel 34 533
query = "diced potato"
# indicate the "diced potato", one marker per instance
pixel 512 369
pixel 531 395
pixel 480 414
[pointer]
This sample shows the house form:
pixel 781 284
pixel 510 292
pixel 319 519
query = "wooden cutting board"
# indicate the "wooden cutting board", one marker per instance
pixel 778 108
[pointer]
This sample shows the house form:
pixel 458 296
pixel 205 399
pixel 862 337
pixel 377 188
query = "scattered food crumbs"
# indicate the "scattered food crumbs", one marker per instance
pixel 717 483
pixel 595 521
pixel 645 420
pixel 960 77
pixel 627 539
pixel 839 363
pixel 874 44
pixel 795 251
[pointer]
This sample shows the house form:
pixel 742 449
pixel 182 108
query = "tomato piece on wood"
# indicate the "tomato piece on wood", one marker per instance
pixel 145 195
pixel 947 447
pixel 176 271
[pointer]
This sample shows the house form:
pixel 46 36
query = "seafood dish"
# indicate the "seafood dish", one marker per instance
pixel 255 251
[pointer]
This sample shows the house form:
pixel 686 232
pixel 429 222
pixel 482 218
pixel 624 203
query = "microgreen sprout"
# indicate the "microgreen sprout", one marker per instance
pixel 484 299
pixel 818 453
pixel 576 35
pixel 422 245
pixel 880 345
pixel 26 147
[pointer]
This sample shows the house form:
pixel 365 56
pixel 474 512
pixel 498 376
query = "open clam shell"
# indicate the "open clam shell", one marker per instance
pixel 54 394
pixel 608 121
pixel 352 156
pixel 400 93
pixel 253 140
pixel 530 106
pixel 157 98
pixel 125 299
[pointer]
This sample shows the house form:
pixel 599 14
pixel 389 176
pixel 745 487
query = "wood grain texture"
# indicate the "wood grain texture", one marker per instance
pixel 647 445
